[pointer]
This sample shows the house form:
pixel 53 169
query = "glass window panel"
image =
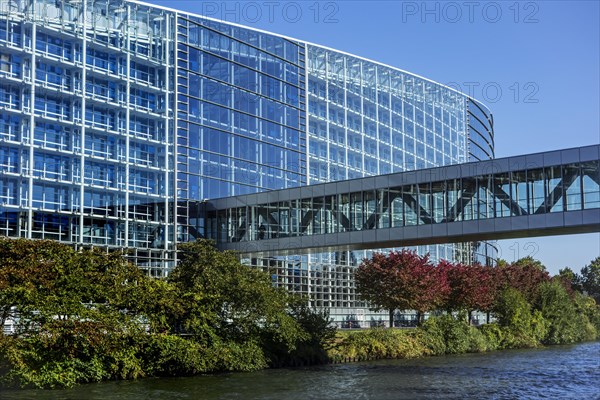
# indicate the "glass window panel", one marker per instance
pixel 453 200
pixel 554 188
pixel 369 210
pixel 411 208
pixel 484 197
pixel 356 211
pixel 344 212
pixel 590 172
pixel 535 191
pixel 305 225
pixel 396 207
pixel 318 215
pixel 502 195
pixel 572 187
pixel 519 192
pixel 438 190
pixel 383 209
pixel 425 204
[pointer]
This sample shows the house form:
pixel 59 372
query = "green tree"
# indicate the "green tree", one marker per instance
pixel 520 327
pixel 28 271
pixel 74 313
pixel 161 304
pixel 566 323
pixel 86 316
pixel 570 279
pixel 501 262
pixel 591 279
pixel 530 262
pixel 223 300
pixel 46 280
pixel 588 307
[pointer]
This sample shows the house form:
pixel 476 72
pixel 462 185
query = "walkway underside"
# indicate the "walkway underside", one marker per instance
pixel 552 193
pixel 570 222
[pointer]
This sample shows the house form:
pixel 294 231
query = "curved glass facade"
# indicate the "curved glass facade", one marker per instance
pixel 240 106
pixel 480 122
pixel 481 131
pixel 369 119
pixel 119 120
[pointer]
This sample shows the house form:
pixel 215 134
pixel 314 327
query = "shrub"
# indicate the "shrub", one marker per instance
pixel 231 356
pixel 478 342
pixel 310 348
pixel 378 343
pixel 567 322
pixel 520 328
pixel 588 307
pixel 494 336
pixel 29 363
pixel 170 355
pixel 449 335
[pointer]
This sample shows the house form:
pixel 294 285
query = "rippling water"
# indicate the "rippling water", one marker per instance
pixel 560 372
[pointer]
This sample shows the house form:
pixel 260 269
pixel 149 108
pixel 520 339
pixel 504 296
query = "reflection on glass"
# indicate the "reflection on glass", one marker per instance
pixel 590 172
pixel 572 187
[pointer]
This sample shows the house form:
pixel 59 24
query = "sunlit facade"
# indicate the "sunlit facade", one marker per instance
pixel 120 120
pixel 367 119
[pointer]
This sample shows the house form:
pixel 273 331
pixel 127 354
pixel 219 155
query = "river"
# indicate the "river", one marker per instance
pixel 559 372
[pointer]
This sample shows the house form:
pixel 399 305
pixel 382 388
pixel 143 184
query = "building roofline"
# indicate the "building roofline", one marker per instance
pixel 480 103
pixel 304 42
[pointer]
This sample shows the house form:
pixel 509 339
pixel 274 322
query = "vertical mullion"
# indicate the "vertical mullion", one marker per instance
pixel 166 140
pixel 83 121
pixel 31 126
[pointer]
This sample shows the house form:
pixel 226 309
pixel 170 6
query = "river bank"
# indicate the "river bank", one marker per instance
pixel 548 314
pixel 436 337
pixel 557 372
pixel 85 316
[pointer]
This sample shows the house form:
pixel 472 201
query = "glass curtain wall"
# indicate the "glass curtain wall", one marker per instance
pixel 85 151
pixel 366 119
pixel 240 113
pixel 121 120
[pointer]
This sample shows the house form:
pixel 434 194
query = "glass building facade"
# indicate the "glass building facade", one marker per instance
pixel 120 120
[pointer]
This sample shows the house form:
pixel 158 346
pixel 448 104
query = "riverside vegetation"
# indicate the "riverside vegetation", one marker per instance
pixel 530 308
pixel 87 316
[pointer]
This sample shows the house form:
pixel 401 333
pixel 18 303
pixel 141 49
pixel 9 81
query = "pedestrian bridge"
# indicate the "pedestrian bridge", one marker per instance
pixel 550 193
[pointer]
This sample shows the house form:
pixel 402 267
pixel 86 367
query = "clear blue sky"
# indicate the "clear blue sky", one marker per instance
pixel 536 64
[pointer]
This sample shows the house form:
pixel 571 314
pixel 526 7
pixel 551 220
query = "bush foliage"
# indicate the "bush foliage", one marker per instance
pixel 87 316
pixel 377 343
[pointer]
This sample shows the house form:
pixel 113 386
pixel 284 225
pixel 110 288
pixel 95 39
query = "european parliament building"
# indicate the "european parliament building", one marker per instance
pixel 120 120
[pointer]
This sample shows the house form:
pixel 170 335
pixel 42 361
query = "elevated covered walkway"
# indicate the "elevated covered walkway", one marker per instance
pixel 549 193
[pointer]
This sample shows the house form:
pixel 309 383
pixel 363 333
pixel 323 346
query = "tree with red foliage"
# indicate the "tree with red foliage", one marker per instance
pixel 526 277
pixel 472 287
pixel 432 288
pixel 401 280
